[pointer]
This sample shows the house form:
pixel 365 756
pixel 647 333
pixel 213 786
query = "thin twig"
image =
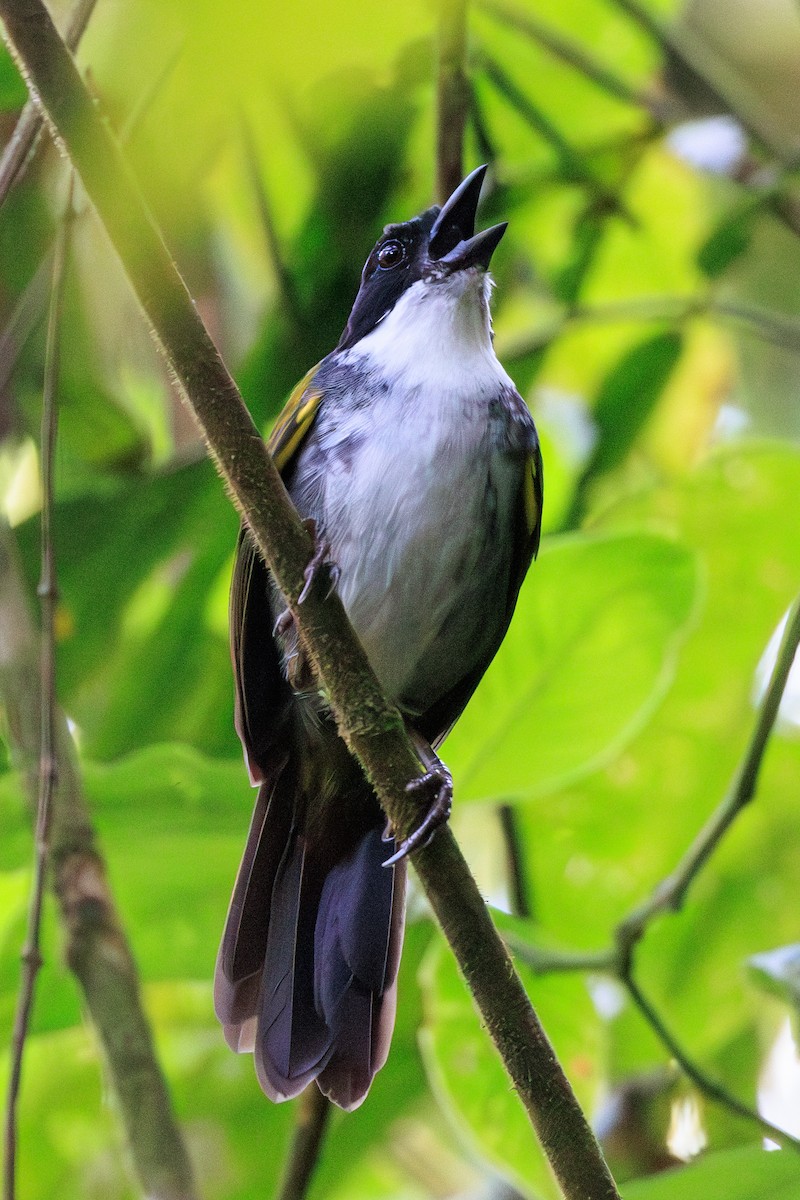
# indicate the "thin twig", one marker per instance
pixel 765 324
pixel 454 93
pixel 575 56
pixel 95 945
pixel 671 892
pixel 284 279
pixel 31 304
pixel 520 885
pixel 714 74
pixel 48 764
pixel 370 725
pixel 610 962
pixel 573 165
pixel 23 140
pixel 313 1115
pixel 547 961
pixel 703 1082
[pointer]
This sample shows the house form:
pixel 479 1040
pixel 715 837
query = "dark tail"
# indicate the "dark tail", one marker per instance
pixel 307 971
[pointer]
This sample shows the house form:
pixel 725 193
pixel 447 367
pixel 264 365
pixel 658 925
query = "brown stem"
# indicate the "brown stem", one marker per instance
pixel 453 97
pixel 574 55
pixel 22 142
pixel 703 1082
pixel 671 892
pixel 288 293
pixel 48 762
pixel 699 60
pixel 313 1114
pixel 520 887
pixel 370 725
pixel 96 948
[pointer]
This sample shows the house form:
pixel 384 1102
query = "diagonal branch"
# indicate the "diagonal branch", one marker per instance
pixel 371 726
pixel 48 762
pixel 671 892
pixel 313 1116
pixel 574 55
pixel 704 1083
pixel 22 143
pixel 701 62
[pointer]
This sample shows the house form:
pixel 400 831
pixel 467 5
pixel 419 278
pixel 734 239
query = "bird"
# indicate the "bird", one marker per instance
pixel 416 463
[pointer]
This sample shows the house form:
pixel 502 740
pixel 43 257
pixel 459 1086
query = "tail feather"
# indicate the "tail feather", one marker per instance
pixel 306 974
pixel 293 1039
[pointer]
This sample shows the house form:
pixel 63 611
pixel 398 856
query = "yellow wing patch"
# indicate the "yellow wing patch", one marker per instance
pixel 294 423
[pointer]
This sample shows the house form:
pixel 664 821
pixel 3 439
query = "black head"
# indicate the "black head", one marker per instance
pixel 431 246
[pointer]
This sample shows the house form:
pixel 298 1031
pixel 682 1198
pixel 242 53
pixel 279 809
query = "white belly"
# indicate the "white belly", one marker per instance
pixel 409 516
pixel 411 479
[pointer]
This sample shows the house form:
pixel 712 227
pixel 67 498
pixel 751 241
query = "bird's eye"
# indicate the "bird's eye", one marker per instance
pixel 391 254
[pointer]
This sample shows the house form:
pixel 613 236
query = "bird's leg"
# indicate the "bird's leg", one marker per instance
pixel 299 673
pixel 435 786
pixel 319 559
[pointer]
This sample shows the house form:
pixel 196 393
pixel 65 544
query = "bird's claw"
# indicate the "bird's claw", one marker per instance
pixel 319 559
pixel 438 783
pixel 283 624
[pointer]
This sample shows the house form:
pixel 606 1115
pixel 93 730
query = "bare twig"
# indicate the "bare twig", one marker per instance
pixel 667 109
pixel 575 56
pixel 709 1087
pixel 22 142
pixel 699 60
pixel 371 727
pixel 285 282
pixel 31 304
pixel 520 886
pixel 454 93
pixel 547 961
pixel 313 1115
pixel 96 948
pixel 573 165
pixel 48 763
pixel 671 892
pixel 773 327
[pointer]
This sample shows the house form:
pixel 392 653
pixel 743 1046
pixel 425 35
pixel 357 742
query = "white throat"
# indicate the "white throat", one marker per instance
pixel 438 333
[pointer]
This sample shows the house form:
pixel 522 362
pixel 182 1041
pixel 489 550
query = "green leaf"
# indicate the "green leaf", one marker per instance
pixel 469 1080
pixel 627 397
pixel 730 239
pixel 13 92
pixel 590 652
pixel 746 1173
pixel 140 657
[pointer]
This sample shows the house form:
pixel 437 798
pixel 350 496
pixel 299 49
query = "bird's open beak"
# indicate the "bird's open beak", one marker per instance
pixel 453 241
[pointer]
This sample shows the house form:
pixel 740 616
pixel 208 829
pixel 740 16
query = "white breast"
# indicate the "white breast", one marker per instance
pixel 404 508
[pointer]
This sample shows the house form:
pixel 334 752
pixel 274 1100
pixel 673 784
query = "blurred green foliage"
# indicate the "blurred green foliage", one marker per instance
pixel 621 702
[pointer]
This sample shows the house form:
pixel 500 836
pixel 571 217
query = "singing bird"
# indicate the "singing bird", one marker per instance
pixel 412 453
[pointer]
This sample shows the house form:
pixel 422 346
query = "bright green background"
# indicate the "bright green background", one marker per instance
pixel 620 703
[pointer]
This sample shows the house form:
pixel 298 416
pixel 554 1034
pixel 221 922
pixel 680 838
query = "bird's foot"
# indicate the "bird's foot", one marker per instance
pixel 437 786
pixel 298 669
pixel 319 560
pixel 284 623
